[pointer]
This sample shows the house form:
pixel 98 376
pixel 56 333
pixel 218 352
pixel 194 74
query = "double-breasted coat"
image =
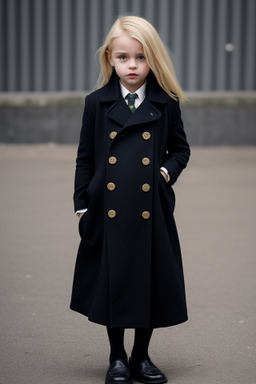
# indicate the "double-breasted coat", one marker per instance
pixel 128 271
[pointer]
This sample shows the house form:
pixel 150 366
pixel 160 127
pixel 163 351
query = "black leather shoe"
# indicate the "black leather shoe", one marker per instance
pixel 118 373
pixel 146 372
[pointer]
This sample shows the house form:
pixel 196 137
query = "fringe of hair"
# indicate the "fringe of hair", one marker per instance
pixel 155 53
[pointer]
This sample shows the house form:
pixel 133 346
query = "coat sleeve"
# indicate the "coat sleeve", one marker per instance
pixel 85 158
pixel 178 150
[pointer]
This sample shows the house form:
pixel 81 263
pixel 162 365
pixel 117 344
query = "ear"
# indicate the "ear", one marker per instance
pixel 108 53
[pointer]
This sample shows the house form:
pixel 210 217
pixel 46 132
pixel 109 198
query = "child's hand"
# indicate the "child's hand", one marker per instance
pixel 80 215
pixel 164 175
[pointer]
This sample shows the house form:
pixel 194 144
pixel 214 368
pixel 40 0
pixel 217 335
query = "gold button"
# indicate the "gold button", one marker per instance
pixel 146 135
pixel 112 160
pixel 145 187
pixel 145 161
pixel 111 213
pixel 111 186
pixel 112 134
pixel 146 215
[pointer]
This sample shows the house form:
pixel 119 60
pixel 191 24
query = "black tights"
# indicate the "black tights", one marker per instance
pixel 140 347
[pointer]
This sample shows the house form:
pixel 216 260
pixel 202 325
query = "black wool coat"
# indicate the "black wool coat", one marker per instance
pixel 128 271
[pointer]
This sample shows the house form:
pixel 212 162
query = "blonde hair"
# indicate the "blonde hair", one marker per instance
pixel 154 51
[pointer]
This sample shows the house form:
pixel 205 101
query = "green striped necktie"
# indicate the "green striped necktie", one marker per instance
pixel 131 101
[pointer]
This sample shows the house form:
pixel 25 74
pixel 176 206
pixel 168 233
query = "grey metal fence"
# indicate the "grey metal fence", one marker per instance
pixel 49 45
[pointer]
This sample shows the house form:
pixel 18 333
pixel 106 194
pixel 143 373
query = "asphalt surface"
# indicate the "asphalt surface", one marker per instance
pixel 43 342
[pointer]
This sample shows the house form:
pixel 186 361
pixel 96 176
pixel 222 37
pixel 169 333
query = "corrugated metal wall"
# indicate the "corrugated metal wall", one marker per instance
pixel 49 45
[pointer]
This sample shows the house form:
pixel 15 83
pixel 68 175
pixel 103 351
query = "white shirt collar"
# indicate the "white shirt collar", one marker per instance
pixel 141 92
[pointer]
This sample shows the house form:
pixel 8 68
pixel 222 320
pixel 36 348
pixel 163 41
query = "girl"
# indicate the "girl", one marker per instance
pixel 132 149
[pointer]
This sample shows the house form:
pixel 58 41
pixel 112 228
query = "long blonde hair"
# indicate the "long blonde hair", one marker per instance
pixel 154 51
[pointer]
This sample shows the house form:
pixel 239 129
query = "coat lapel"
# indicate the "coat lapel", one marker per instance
pixel 121 114
pixel 146 113
pixel 111 94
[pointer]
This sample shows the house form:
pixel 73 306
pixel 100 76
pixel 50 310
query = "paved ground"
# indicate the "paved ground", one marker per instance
pixel 43 342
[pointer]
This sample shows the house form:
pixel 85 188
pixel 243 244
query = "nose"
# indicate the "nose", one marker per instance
pixel 132 63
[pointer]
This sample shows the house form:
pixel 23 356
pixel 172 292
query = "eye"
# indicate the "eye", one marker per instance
pixel 141 57
pixel 122 57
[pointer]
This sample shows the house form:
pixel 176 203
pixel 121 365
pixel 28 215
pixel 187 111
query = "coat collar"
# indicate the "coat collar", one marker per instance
pixel 118 111
pixel 154 93
pixel 146 112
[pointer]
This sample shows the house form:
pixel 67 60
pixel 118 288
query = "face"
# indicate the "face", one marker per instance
pixel 128 58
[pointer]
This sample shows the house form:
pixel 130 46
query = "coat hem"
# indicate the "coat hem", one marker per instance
pixel 162 324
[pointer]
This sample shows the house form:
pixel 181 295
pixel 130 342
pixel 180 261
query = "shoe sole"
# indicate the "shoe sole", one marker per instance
pixel 151 381
pixel 118 382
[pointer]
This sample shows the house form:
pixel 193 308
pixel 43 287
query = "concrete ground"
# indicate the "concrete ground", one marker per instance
pixel 43 342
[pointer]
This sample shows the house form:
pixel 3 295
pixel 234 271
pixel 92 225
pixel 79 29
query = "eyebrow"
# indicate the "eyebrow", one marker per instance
pixel 126 53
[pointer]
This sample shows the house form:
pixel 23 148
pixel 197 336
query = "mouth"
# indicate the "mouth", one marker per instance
pixel 132 75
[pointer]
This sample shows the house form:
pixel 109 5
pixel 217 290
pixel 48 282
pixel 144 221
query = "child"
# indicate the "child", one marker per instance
pixel 132 149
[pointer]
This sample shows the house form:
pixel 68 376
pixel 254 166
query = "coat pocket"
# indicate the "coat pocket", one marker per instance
pixel 167 194
pixel 82 224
